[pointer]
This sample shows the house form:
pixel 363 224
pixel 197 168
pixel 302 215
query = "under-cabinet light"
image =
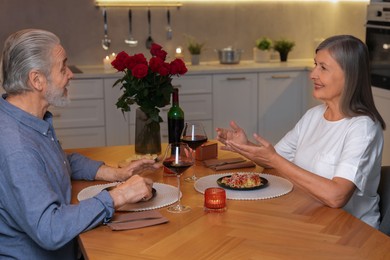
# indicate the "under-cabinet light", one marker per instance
pixel 177 3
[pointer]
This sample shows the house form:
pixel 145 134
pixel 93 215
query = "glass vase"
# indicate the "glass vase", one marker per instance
pixel 147 134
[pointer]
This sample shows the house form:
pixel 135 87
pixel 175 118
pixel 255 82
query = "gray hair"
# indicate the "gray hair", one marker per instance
pixel 23 51
pixel 352 56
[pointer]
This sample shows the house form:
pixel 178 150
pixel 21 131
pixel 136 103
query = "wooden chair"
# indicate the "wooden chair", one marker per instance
pixel 384 203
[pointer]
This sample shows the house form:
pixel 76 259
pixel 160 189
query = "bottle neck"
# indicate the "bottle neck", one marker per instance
pixel 175 97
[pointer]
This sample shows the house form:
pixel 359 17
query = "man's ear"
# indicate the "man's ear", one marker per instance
pixel 36 80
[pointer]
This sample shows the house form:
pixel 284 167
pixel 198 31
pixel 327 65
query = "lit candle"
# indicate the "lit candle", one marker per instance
pixel 112 57
pixel 214 200
pixel 107 63
pixel 179 54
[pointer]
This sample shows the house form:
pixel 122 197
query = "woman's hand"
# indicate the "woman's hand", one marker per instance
pixel 262 153
pixel 236 134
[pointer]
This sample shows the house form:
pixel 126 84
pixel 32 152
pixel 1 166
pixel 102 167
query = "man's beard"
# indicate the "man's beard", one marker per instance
pixel 56 96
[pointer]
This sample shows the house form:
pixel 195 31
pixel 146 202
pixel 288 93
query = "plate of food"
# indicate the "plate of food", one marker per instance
pixel 242 181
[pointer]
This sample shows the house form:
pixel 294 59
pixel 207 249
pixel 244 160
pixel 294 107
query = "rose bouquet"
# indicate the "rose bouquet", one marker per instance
pixel 148 84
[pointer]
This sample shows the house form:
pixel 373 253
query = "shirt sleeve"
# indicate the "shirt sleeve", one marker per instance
pixel 83 168
pixel 362 151
pixel 35 201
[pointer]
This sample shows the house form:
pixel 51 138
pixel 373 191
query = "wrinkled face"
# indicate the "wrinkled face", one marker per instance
pixel 56 92
pixel 328 78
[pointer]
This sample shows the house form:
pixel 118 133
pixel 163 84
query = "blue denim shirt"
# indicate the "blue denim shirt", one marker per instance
pixel 37 220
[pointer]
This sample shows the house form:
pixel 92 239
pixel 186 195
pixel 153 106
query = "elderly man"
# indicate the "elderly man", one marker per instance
pixel 36 218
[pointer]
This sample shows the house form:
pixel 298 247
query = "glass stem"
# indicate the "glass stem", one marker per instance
pixel 194 155
pixel 178 190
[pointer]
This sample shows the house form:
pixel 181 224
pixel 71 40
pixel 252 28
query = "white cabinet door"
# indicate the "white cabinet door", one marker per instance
pixel 281 102
pixel 382 103
pixel 235 98
pixel 193 84
pixel 79 113
pixel 117 124
pixel 81 137
pixel 81 124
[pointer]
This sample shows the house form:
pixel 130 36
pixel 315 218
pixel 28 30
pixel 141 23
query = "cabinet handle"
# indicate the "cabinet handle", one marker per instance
pixel 280 76
pixel 177 86
pixel 238 78
pixel 56 114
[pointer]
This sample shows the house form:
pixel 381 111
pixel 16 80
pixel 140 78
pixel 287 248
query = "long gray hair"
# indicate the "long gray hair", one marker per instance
pixel 352 56
pixel 23 51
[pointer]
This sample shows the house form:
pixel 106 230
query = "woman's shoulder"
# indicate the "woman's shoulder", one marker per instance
pixel 365 122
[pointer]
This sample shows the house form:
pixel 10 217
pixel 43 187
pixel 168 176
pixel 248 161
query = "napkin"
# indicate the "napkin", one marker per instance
pixel 228 164
pixel 136 220
pixel 218 162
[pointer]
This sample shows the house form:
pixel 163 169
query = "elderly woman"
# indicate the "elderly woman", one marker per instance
pixel 334 152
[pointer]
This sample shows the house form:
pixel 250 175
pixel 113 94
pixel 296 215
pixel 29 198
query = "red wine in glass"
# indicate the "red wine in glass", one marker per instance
pixel 178 169
pixel 194 141
pixel 178 158
pixel 194 135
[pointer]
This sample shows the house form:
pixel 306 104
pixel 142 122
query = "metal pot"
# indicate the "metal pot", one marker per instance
pixel 229 55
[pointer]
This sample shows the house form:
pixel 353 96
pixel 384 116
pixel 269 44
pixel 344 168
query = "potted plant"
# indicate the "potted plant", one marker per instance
pixel 149 85
pixel 195 49
pixel 261 52
pixel 283 46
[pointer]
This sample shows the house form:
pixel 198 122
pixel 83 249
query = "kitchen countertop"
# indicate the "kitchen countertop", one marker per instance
pixel 208 67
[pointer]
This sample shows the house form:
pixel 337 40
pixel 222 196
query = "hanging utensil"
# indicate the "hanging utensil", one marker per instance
pixel 169 28
pixel 149 40
pixel 131 41
pixel 106 41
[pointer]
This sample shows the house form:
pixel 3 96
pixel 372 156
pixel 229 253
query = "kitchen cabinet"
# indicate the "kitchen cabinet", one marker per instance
pixel 282 102
pixel 195 98
pixel 82 122
pixel 117 123
pixel 382 101
pixel 235 98
pixel 268 102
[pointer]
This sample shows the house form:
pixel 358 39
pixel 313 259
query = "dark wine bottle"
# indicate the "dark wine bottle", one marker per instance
pixel 175 119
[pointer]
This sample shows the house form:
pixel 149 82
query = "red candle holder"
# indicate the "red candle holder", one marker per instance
pixel 214 200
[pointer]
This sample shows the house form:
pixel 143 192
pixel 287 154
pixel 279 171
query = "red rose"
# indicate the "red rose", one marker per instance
pixel 132 61
pixel 140 59
pixel 178 67
pixel 164 69
pixel 140 71
pixel 119 62
pixel 155 47
pixel 155 63
pixel 157 51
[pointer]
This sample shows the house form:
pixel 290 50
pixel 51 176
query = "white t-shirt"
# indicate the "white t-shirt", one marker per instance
pixel 350 148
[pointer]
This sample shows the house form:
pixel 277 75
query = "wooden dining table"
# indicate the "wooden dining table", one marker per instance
pixel 292 226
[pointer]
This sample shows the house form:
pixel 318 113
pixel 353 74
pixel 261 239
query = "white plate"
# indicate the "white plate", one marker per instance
pixel 276 187
pixel 165 195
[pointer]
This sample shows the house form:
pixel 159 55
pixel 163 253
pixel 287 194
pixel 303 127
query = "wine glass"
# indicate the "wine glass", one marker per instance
pixel 178 158
pixel 194 135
